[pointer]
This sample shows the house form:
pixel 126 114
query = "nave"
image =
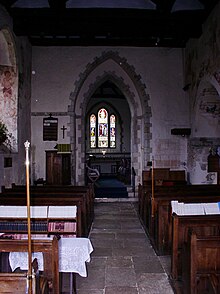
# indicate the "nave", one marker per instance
pixel 123 260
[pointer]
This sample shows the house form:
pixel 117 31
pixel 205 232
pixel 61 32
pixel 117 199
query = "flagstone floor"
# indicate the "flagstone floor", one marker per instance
pixel 123 260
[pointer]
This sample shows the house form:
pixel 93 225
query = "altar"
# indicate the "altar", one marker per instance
pixel 108 163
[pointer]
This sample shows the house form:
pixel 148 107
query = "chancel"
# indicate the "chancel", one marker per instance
pixel 120 102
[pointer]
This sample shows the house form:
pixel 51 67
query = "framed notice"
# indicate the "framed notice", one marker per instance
pixel 50 127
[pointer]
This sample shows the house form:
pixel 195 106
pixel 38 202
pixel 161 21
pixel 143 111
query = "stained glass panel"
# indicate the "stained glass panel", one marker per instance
pixel 103 128
pixel 92 131
pixel 112 131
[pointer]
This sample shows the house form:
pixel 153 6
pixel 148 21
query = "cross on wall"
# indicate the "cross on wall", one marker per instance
pixel 63 129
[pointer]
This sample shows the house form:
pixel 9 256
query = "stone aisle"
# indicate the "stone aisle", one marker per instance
pixel 123 260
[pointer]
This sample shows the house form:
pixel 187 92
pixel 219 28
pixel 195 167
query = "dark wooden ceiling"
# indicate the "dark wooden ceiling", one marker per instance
pixel 58 25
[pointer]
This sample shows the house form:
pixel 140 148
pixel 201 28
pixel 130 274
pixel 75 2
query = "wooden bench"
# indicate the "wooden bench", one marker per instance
pixel 155 213
pixel 202 225
pixel 49 248
pixel 51 199
pixel 201 264
pixel 56 195
pixel 45 220
pixel 12 283
pixel 161 224
pixel 172 183
pixel 88 191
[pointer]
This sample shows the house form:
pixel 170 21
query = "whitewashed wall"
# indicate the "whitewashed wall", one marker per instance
pixel 22 64
pixel 202 70
pixel 56 71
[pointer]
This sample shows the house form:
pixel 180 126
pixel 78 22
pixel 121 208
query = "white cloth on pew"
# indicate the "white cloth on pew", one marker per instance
pixel 73 255
pixel 20 259
pixel 61 211
pixel 181 208
pixel 10 211
pixel 21 211
pixel 212 208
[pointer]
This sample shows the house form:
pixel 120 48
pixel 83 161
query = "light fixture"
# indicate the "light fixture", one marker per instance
pixel 103 153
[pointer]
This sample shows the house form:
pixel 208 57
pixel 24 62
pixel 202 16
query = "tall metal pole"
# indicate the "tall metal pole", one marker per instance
pixel 27 163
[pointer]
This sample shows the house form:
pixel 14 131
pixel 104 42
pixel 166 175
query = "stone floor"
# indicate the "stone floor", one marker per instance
pixel 123 260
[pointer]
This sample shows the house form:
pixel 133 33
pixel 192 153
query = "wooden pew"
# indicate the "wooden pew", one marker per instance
pixel 145 189
pixel 87 190
pixel 159 224
pixel 11 283
pixel 201 264
pixel 49 248
pixel 56 195
pixel 51 199
pixel 202 225
pixel 46 225
pixel 167 183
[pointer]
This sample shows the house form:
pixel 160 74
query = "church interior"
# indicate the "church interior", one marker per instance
pixel 115 185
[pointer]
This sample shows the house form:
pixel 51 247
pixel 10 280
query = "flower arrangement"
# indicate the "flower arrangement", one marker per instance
pixel 3 132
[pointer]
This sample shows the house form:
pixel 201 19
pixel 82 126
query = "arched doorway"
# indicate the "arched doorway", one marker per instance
pixel 110 67
pixel 108 136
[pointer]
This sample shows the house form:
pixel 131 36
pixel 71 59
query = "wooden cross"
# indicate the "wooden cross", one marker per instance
pixel 63 129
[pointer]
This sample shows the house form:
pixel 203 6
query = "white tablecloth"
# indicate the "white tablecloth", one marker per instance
pixel 73 255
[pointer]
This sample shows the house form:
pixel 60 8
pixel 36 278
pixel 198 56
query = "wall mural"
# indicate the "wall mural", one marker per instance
pixel 8 104
pixel 210 103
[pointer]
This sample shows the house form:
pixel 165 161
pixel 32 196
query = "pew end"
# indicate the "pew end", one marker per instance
pixel 49 248
pixel 12 283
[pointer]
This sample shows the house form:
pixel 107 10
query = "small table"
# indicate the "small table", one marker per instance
pixel 73 255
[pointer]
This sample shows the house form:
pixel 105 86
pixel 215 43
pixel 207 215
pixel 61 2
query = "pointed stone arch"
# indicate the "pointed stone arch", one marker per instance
pixel 208 91
pixel 110 66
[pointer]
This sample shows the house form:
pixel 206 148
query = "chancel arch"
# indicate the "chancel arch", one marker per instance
pixel 110 67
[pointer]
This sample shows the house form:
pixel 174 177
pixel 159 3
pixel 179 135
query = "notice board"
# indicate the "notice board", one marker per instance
pixel 50 128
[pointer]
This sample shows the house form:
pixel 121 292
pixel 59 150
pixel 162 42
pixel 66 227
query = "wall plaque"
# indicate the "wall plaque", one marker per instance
pixel 50 127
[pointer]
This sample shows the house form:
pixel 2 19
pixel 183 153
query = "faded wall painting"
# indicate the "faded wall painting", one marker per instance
pixel 8 103
pixel 8 88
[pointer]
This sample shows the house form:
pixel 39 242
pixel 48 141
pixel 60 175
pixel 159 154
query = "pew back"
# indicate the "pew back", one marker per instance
pixel 12 283
pixel 201 264
pixel 55 195
pixel 49 248
pixel 203 225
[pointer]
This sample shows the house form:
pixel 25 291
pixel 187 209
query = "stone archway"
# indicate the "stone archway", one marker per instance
pixel 207 107
pixel 110 66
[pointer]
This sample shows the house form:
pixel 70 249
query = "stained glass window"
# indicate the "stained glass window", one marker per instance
pixel 92 131
pixel 112 131
pixel 102 130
